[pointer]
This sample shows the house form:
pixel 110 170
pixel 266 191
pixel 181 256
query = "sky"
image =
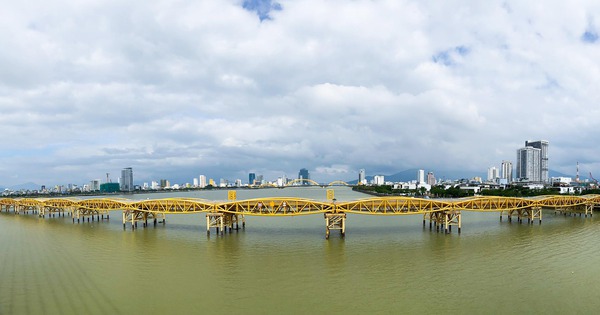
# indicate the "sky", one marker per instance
pixel 175 89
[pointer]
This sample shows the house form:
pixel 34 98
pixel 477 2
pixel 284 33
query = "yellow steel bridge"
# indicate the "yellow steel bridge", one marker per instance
pixel 443 213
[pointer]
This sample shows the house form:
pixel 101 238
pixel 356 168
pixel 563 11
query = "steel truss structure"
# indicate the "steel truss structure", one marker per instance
pixel 441 213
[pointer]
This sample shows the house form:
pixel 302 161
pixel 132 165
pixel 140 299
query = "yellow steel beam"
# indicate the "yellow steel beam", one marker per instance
pixel 300 206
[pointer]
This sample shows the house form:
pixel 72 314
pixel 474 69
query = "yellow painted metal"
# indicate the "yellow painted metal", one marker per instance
pixel 281 206
pixel 338 183
pixel 231 195
pixel 330 194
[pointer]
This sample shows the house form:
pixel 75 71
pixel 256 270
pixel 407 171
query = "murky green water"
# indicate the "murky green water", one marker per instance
pixel 385 265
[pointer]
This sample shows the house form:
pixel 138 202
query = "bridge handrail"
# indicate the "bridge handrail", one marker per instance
pixel 297 205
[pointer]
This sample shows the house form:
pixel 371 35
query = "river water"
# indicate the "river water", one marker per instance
pixel 385 265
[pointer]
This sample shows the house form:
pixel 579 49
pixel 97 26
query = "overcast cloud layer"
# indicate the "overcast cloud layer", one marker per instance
pixel 175 89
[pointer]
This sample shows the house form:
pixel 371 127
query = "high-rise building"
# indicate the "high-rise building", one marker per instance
pixel 528 164
pixel 251 178
pixel 543 164
pixel 420 176
pixel 202 183
pixel 507 171
pixel 492 174
pixel 362 177
pixel 430 179
pixel 378 180
pixel 127 179
pixel 303 174
pixel 196 182
pixel 95 185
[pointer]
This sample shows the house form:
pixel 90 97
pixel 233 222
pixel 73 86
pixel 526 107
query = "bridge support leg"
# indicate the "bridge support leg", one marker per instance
pixel 335 221
pixel 215 220
pixel 535 212
pixel 452 218
pixel 589 208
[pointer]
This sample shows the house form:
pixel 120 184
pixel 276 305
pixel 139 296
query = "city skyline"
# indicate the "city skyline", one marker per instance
pixel 226 88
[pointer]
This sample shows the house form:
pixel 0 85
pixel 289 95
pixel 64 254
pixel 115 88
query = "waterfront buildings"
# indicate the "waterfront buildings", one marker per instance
pixel 127 179
pixel 528 164
pixel 532 162
pixel 95 185
pixel 202 182
pixel 420 176
pixel 431 179
pixel 543 159
pixel 492 174
pixel 378 180
pixel 164 183
pixel 251 178
pixel 303 174
pixel 362 177
pixel 507 171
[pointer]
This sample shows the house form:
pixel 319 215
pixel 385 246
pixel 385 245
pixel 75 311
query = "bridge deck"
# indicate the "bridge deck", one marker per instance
pixel 282 206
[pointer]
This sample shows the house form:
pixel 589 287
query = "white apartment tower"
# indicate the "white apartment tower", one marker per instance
pixel 543 159
pixel 420 176
pixel 378 180
pixel 202 183
pixel 528 164
pixel 127 179
pixel 431 179
pixel 362 177
pixel 492 174
pixel 507 171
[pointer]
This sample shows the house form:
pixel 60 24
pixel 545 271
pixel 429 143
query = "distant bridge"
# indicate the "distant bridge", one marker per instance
pixel 442 213
pixel 302 182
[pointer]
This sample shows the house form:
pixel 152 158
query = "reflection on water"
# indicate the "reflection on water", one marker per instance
pixel 285 265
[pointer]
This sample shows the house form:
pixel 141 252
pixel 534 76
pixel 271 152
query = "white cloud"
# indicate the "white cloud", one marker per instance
pixel 175 90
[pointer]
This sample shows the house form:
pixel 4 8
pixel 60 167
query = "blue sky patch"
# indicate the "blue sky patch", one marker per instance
pixel 590 36
pixel 447 57
pixel 262 8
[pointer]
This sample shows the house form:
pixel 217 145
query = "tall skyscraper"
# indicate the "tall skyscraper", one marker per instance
pixel 127 179
pixel 430 178
pixel 420 176
pixel 528 164
pixel 202 183
pixel 507 171
pixel 543 164
pixel 492 174
pixel 303 174
pixel 251 178
pixel 362 177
